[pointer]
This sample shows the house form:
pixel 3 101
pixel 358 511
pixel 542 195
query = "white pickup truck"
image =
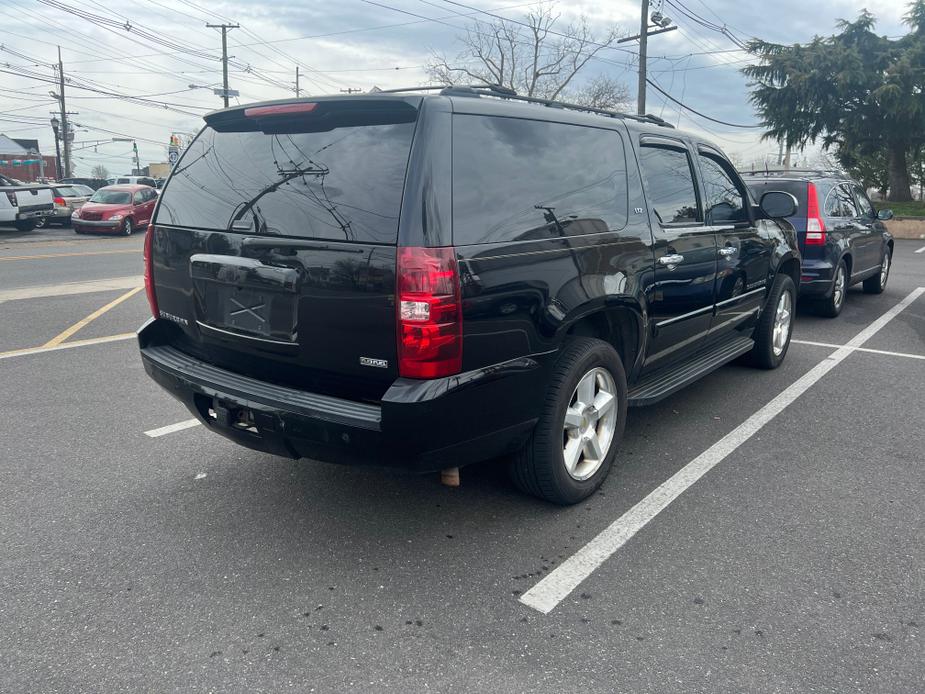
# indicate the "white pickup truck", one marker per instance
pixel 23 205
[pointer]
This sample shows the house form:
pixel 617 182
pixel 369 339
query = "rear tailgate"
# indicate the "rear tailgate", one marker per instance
pixel 33 197
pixel 275 244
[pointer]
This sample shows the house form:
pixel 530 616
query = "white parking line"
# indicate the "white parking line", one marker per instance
pixel 71 288
pixel 860 349
pixel 67 345
pixel 921 250
pixel 170 428
pixel 557 585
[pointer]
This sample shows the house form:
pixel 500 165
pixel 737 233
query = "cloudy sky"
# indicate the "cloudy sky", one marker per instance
pixel 155 50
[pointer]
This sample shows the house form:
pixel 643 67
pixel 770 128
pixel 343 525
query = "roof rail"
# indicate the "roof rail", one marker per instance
pixel 793 172
pixel 501 92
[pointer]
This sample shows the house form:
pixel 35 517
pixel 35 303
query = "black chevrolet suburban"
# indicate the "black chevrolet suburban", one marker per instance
pixel 426 280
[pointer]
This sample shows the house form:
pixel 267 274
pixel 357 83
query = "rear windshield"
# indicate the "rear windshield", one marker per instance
pixel 68 192
pixel 112 197
pixel 796 188
pixel 124 180
pixel 339 183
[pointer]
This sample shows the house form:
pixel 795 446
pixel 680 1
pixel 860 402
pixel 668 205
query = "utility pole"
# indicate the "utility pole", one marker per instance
pixel 65 131
pixel 137 163
pixel 643 47
pixel 659 25
pixel 224 28
pixel 296 81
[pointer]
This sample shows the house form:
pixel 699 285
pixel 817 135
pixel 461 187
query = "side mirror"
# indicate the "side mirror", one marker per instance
pixel 884 215
pixel 776 204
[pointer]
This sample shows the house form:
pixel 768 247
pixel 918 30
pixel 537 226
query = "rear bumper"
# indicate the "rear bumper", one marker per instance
pixel 34 212
pixel 816 277
pixel 418 425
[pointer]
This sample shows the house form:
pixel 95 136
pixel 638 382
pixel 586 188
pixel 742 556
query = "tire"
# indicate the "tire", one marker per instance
pixel 42 222
pixel 127 227
pixel 24 225
pixel 832 305
pixel 539 468
pixel 877 283
pixel 770 346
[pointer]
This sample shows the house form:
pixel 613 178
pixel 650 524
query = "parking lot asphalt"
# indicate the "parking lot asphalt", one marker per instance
pixel 181 561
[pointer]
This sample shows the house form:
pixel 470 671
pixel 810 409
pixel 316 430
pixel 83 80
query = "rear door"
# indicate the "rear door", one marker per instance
pixel 681 301
pixel 150 200
pixel 870 227
pixel 744 257
pixel 275 242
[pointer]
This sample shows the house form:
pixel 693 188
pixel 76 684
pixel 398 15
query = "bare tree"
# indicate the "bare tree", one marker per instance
pixel 99 171
pixel 535 57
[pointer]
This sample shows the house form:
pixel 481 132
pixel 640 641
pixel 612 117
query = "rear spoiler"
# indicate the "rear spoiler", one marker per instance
pixel 316 115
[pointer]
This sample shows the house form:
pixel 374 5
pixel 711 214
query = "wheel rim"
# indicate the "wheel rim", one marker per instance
pixel 884 269
pixel 782 320
pixel 39 223
pixel 128 227
pixel 838 293
pixel 590 422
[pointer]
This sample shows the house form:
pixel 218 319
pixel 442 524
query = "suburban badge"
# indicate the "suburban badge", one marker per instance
pixel 378 363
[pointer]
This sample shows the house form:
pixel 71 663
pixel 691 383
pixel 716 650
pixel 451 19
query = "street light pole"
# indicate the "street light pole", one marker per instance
pixel 224 28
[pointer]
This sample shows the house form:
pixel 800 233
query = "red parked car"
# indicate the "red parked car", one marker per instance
pixel 120 209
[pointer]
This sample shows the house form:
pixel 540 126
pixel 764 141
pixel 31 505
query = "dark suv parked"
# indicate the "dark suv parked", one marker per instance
pixel 843 240
pixel 430 280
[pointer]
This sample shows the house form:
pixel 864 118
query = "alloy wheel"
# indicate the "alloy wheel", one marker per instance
pixel 590 422
pixel 884 269
pixel 127 227
pixel 838 292
pixel 783 317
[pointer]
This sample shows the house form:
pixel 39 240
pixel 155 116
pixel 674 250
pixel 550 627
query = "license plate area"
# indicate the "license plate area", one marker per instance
pixel 242 297
pixel 239 309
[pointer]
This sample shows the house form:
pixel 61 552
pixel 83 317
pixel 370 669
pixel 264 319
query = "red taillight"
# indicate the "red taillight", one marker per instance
pixel 429 313
pixel 60 202
pixel 815 227
pixel 279 110
pixel 149 271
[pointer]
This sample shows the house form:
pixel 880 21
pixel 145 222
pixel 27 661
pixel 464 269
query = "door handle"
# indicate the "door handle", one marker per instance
pixel 728 251
pixel 671 260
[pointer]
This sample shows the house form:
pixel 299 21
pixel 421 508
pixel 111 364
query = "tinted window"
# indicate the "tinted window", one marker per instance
pixel 848 204
pixel 867 208
pixel 124 180
pixel 138 198
pixel 835 203
pixel 724 201
pixel 112 197
pixel 516 179
pixel 669 184
pixel 343 183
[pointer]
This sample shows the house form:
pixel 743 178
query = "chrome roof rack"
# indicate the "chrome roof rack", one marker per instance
pixel 500 92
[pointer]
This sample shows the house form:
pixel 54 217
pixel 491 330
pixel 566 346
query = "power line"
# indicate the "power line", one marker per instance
pixel 692 110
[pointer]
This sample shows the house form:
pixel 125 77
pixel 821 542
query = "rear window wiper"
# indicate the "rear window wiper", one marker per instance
pixel 286 175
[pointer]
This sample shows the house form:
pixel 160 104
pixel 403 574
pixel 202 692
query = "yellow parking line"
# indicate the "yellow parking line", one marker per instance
pixel 66 255
pixel 58 339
